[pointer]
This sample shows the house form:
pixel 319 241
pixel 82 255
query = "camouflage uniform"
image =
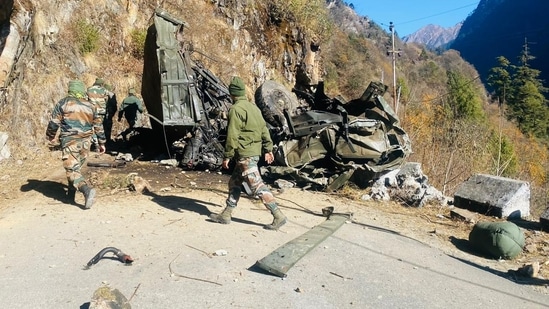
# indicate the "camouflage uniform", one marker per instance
pixel 129 108
pixel 247 138
pixel 77 120
pixel 97 95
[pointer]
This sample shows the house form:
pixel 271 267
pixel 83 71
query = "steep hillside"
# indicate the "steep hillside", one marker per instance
pixel 434 36
pixel 502 28
pixel 50 42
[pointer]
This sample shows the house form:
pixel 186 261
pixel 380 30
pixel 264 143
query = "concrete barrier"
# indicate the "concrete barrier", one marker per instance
pixel 494 196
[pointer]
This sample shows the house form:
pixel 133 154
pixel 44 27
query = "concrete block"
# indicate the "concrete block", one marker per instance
pixel 464 215
pixel 494 196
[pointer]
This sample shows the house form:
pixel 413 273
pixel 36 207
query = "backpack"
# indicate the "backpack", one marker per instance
pixel 497 239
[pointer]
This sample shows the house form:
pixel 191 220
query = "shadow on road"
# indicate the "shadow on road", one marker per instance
pixel 179 203
pixel 509 275
pixel 51 189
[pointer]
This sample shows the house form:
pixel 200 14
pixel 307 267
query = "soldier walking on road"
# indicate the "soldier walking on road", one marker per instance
pixel 129 108
pixel 77 120
pixel 247 138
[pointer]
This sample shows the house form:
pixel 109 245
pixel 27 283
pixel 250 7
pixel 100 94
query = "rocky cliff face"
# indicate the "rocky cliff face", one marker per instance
pixel 40 51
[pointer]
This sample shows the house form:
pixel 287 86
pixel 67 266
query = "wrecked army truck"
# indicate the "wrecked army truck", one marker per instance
pixel 331 140
pixel 319 141
pixel 187 104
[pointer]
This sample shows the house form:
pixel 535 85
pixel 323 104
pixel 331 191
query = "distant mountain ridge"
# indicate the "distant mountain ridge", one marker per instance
pixel 434 36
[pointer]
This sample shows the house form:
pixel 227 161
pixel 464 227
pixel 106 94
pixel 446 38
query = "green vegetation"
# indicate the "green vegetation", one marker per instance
pixel 519 87
pixel 464 100
pixel 138 43
pixel 504 159
pixel 86 36
pixel 312 14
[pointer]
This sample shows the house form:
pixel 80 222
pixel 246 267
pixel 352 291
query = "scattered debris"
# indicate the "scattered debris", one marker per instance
pixel 115 164
pixel 464 215
pixel 284 184
pixel 169 162
pixel 109 298
pixel 122 257
pixel 187 277
pixel 340 276
pixel 138 184
pixel 220 252
pixel 282 259
pixel 407 185
pixel 124 156
pixel 205 253
pixel 528 270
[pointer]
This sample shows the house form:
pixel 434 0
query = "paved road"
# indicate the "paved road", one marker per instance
pixel 44 245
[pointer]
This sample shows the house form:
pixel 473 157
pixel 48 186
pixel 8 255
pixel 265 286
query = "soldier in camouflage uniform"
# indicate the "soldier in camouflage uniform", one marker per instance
pixel 247 138
pixel 98 95
pixel 77 120
pixel 129 108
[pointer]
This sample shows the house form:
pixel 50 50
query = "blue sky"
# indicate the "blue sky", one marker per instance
pixel 409 16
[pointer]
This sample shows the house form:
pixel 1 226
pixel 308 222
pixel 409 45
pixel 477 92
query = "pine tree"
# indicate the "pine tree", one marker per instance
pixel 464 99
pixel 500 78
pixel 527 104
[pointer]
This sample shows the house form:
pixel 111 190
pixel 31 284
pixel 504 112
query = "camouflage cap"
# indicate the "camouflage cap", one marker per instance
pixel 109 87
pixel 77 87
pixel 99 81
pixel 237 87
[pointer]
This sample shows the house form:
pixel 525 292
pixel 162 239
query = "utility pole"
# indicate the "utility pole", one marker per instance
pixel 393 53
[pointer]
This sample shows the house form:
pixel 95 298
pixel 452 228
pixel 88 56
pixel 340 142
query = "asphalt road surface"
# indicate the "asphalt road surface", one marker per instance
pixel 45 243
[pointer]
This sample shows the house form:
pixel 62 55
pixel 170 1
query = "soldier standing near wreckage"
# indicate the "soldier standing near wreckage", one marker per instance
pixel 247 138
pixel 97 95
pixel 129 108
pixel 111 109
pixel 77 120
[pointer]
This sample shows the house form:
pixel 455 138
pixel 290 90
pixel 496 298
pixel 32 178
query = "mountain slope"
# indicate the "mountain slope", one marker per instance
pixel 434 36
pixel 504 28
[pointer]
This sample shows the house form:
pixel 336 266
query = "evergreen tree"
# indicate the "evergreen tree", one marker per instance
pixel 527 104
pixel 464 99
pixel 500 78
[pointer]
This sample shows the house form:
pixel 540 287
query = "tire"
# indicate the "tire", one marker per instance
pixel 272 98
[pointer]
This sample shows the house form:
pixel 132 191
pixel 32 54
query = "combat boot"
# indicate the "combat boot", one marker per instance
pixel 278 221
pixel 89 195
pixel 71 195
pixel 224 217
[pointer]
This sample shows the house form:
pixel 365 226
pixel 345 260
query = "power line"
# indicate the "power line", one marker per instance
pixel 438 14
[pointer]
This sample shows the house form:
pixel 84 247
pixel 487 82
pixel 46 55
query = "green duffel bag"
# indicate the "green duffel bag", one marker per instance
pixel 503 240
